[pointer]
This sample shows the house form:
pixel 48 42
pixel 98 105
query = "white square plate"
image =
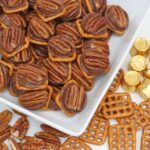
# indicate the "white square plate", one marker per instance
pixel 119 48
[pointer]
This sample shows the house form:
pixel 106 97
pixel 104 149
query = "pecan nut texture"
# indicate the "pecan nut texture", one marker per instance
pixel 98 6
pixel 70 30
pixel 19 129
pixel 39 51
pixel 5 74
pixel 5 118
pixel 93 25
pixel 58 72
pixel 61 48
pixel 36 100
pixel 84 8
pixel 31 77
pixel 79 77
pixel 94 43
pixel 13 6
pixel 23 57
pixel 72 98
pixel 12 41
pixel 8 20
pixel 93 62
pixel 49 138
pixel 73 10
pixel 32 2
pixel 117 19
pixel 39 32
pixel 53 131
pixel 3 146
pixel 4 134
pixel 33 143
pixel 49 9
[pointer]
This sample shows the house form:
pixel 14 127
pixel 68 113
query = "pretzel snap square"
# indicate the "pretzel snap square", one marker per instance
pixel 122 137
pixel 74 143
pixel 145 106
pixel 117 105
pixel 97 131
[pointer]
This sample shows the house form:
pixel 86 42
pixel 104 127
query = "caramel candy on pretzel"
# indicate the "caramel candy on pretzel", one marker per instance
pixel 49 9
pixel 93 62
pixel 6 71
pixel 97 131
pixel 93 25
pixel 61 48
pixel 14 6
pixel 12 41
pixel 122 137
pixel 31 77
pixel 79 77
pixel 36 100
pixel 58 72
pixel 117 19
pixel 70 30
pixel 117 105
pixel 8 20
pixel 73 10
pixel 98 6
pixel 39 32
pixel 72 98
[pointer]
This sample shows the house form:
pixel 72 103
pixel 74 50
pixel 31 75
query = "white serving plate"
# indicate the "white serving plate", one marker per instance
pixel 119 48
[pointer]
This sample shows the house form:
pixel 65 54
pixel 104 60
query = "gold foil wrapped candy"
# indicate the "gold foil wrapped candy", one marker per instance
pixel 144 89
pixel 131 80
pixel 140 47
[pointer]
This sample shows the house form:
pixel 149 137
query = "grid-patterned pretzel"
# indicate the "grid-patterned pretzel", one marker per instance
pixel 96 132
pixel 117 105
pixel 145 106
pixel 122 137
pixel 117 81
pixel 138 119
pixel 145 140
pixel 74 143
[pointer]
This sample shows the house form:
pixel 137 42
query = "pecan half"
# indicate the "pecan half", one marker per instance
pixel 61 48
pixel 36 100
pixel 5 73
pixel 58 72
pixel 93 62
pixel 39 51
pixel 72 98
pixel 33 143
pixel 23 57
pixel 39 32
pixel 94 43
pixel 5 118
pixel 13 6
pixel 53 131
pixel 31 77
pixel 98 6
pixel 93 25
pixel 4 134
pixel 8 20
pixel 70 30
pixel 12 41
pixel 73 10
pixel 49 9
pixel 30 15
pixel 3 146
pixel 117 19
pixel 12 86
pixel 19 129
pixel 49 138
pixel 79 77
